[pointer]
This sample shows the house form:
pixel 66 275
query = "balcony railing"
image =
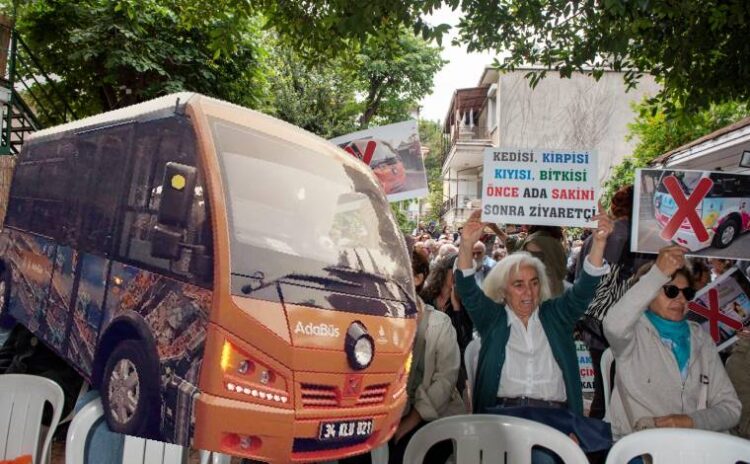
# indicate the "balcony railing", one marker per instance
pixel 464 134
pixel 458 202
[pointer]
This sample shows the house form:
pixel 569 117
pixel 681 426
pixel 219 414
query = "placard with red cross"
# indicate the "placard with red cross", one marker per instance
pixel 706 212
pixel 723 307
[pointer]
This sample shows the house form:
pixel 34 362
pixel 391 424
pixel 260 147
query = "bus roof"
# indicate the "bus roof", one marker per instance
pixel 122 114
pixel 255 119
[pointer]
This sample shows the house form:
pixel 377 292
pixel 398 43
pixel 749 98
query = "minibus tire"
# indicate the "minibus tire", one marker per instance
pixel 144 421
pixel 720 232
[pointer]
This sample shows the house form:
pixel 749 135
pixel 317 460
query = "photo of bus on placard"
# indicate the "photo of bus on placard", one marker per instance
pixel 226 280
pixel 722 308
pixel 706 212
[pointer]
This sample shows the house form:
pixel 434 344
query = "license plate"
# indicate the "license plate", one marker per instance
pixel 343 430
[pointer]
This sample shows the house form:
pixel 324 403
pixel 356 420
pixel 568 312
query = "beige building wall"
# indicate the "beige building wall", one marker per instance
pixel 575 113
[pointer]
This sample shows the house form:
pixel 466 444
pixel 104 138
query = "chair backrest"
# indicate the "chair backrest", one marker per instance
pixel 135 450
pixel 493 439
pixel 471 359
pixel 681 446
pixel 608 358
pixel 21 407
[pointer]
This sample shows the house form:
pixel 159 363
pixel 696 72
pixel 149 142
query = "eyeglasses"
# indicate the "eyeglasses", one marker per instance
pixel 673 290
pixel 477 253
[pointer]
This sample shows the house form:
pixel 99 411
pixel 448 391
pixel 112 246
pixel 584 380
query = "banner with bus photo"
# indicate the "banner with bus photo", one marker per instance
pixel 394 154
pixel 706 212
pixel 722 308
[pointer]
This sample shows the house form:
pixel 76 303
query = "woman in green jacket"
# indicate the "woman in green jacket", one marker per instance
pixel 528 357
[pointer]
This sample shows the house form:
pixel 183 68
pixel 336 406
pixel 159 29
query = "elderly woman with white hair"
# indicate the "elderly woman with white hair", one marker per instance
pixel 528 356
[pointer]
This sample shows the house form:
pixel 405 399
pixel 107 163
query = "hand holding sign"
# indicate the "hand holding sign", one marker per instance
pixel 670 259
pixel 471 232
pixel 604 228
pixel 605 225
pixel 473 229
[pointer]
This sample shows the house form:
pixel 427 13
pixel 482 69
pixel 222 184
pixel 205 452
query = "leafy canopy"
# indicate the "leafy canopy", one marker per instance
pixel 658 132
pixel 107 54
pixel 696 49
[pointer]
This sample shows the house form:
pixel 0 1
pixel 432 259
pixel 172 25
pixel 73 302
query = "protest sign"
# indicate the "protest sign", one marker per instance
pixel 706 212
pixel 723 307
pixel 539 187
pixel 585 366
pixel 394 154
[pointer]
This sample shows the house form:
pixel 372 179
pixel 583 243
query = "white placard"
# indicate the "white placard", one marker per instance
pixel 540 186
pixel 585 366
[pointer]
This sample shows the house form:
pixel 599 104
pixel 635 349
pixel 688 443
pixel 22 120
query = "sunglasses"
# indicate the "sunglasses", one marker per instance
pixel 673 290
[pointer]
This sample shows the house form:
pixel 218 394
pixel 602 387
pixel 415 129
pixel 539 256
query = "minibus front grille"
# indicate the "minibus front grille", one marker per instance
pixel 319 396
pixel 328 396
pixel 374 394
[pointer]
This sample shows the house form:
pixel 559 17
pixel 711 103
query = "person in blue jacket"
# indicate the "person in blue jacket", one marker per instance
pixel 528 356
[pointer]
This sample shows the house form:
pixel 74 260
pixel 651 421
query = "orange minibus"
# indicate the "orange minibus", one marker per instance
pixel 226 280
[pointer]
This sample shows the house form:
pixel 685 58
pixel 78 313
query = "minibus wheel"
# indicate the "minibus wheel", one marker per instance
pixel 130 391
pixel 726 233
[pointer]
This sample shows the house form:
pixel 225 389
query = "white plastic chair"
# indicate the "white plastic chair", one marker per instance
pixel 488 438
pixel 608 358
pixel 21 407
pixel 135 450
pixel 681 446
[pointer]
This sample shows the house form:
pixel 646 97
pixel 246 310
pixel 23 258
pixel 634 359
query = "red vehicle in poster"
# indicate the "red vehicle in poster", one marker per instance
pixel 384 161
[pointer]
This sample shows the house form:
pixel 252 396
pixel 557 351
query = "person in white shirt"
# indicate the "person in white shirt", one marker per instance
pixel 528 356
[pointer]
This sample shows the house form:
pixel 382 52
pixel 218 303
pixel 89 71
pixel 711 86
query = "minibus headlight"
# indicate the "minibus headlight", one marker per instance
pixel 359 346
pixel 363 351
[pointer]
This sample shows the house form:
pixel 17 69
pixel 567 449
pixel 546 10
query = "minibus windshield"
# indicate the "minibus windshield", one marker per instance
pixel 302 217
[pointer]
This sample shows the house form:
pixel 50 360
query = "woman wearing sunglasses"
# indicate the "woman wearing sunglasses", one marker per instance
pixel 668 370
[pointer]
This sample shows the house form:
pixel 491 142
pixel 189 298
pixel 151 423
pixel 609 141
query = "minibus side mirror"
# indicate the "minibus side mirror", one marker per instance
pixel 165 242
pixel 177 191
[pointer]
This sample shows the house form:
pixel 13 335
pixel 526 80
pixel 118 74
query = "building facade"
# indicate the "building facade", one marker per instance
pixel 559 113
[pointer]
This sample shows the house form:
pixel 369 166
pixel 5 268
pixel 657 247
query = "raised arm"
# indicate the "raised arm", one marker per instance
pixel 573 302
pixel 619 323
pixel 482 310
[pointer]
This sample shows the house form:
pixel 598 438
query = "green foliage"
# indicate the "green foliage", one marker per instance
pixel 431 136
pixel 659 132
pixel 395 72
pixel 109 54
pixel 318 97
pixel 404 224
pixel 697 49
pixel 376 84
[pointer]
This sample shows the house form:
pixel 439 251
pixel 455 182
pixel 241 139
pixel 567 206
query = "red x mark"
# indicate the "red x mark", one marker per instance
pixel 714 314
pixel 353 150
pixel 686 207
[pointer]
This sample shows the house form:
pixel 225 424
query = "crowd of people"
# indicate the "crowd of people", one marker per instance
pixel 523 295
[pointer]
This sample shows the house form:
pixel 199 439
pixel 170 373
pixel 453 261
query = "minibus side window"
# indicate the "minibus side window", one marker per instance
pixel 157 143
pixel 106 152
pixel 20 204
pixel 39 202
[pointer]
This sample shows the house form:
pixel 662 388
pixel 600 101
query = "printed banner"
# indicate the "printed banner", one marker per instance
pixel 394 154
pixel 723 307
pixel 539 187
pixel 706 212
pixel 585 366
